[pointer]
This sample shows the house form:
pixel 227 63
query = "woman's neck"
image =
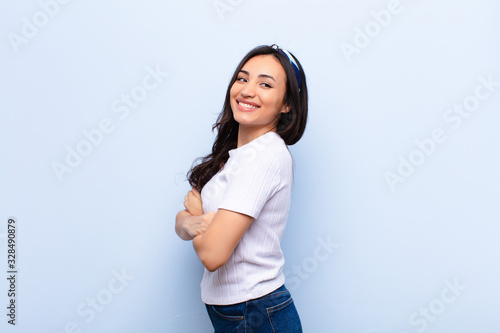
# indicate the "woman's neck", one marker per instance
pixel 246 134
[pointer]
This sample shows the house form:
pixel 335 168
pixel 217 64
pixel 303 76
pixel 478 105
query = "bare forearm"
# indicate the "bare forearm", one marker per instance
pixel 180 221
pixel 205 252
pixel 188 226
pixel 216 245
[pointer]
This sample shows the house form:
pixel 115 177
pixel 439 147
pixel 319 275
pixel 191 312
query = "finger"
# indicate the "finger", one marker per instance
pixel 196 193
pixel 192 197
pixel 209 217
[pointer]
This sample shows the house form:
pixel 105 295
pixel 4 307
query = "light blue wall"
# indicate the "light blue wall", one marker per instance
pixel 394 225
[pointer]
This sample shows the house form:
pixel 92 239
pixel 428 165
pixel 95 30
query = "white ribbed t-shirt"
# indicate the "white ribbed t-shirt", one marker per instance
pixel 256 181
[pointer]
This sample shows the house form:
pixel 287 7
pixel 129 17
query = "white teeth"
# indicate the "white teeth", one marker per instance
pixel 248 106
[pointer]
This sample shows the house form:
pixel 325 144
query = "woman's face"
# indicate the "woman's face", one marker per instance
pixel 257 94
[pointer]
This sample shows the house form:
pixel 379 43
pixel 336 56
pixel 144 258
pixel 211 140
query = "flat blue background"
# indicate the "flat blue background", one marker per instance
pixel 395 248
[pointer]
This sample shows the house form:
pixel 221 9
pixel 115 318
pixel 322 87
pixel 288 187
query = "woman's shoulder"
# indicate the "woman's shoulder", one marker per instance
pixel 268 147
pixel 272 146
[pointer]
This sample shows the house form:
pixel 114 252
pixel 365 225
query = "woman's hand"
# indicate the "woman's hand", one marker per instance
pixel 197 225
pixel 192 221
pixel 193 203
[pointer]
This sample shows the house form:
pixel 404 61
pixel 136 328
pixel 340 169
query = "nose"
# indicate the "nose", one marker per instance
pixel 248 90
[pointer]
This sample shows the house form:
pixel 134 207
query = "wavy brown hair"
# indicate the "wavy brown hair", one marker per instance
pixel 291 125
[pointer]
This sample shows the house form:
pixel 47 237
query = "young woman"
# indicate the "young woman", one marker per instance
pixel 237 220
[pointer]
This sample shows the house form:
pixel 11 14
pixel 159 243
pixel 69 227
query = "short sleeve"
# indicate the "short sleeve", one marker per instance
pixel 253 179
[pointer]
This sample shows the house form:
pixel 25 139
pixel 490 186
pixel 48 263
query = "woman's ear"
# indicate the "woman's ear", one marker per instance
pixel 285 109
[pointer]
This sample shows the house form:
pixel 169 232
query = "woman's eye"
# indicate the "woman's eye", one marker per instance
pixel 266 85
pixel 241 79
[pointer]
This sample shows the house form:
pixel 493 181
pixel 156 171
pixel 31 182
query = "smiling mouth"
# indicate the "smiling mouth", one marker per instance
pixel 248 106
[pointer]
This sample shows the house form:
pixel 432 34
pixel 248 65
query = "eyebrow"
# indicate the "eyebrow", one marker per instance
pixel 260 75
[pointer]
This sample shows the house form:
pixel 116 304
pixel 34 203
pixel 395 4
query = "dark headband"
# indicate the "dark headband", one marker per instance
pixel 292 61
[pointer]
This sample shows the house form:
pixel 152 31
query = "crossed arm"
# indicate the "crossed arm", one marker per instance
pixel 214 235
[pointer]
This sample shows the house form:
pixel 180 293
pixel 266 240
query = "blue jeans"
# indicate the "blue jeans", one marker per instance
pixel 271 313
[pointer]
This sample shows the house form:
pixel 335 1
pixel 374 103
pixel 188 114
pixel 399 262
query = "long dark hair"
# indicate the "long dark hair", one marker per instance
pixel 291 125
